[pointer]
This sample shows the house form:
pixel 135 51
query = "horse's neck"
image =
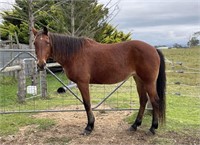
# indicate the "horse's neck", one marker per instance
pixel 65 63
pixel 60 61
pixel 68 60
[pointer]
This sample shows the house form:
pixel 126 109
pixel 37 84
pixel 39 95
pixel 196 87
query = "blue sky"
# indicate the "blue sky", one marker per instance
pixel 158 22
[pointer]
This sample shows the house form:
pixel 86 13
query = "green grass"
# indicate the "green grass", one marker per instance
pixel 10 124
pixel 190 59
pixel 8 89
pixel 183 112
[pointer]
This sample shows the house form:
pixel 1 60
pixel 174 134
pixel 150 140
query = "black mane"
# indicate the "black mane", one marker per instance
pixel 65 46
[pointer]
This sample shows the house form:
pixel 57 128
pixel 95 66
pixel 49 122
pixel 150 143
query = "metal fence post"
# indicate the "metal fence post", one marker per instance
pixel 21 83
pixel 34 73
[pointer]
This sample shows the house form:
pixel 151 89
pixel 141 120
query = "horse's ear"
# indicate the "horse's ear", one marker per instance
pixel 45 30
pixel 34 31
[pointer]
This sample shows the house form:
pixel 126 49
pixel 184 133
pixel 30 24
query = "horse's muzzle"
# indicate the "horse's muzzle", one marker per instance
pixel 41 65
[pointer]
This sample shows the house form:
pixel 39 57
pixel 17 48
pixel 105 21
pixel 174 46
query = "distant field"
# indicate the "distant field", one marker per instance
pixel 187 62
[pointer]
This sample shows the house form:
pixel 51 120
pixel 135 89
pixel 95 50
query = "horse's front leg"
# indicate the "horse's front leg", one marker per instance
pixel 84 89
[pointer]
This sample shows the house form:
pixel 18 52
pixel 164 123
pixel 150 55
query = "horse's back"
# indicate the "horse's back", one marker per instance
pixel 112 63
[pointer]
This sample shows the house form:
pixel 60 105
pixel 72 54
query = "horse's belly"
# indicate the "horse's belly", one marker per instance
pixel 110 77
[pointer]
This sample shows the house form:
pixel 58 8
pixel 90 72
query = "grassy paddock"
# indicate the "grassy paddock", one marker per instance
pixel 182 109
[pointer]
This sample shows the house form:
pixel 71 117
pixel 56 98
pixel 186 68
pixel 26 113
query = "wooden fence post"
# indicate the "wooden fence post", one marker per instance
pixel 21 83
pixel 43 84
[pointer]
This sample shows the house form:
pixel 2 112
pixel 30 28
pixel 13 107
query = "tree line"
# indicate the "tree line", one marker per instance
pixel 71 17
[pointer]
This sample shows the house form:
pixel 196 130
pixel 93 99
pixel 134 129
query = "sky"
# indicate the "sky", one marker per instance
pixel 158 22
pixel 6 4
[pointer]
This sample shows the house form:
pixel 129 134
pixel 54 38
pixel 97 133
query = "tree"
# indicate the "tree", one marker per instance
pixel 19 17
pixel 109 34
pixel 72 17
pixel 176 45
pixel 78 18
pixel 193 41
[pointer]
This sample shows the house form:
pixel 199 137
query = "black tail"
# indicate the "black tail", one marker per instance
pixel 161 87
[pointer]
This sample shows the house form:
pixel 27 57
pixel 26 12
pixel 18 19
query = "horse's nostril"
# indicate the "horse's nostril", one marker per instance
pixel 41 66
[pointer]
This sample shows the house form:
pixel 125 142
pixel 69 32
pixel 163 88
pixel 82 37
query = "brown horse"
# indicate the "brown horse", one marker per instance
pixel 86 61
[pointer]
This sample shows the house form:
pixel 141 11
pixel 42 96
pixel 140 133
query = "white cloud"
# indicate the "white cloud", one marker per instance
pixel 159 21
pixel 157 35
pixel 6 4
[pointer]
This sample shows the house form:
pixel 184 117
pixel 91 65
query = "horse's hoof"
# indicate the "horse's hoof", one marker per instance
pixel 132 129
pixel 151 132
pixel 86 132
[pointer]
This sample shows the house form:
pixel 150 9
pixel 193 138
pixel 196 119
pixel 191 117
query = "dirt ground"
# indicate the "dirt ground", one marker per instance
pixel 110 128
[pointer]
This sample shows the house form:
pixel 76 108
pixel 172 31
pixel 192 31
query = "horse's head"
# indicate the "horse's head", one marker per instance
pixel 42 46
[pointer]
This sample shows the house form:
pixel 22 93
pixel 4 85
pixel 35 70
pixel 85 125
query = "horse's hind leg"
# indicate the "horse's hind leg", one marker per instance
pixel 153 96
pixel 143 101
pixel 84 89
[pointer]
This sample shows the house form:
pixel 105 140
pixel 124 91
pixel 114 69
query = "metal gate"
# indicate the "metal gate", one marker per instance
pixel 103 97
